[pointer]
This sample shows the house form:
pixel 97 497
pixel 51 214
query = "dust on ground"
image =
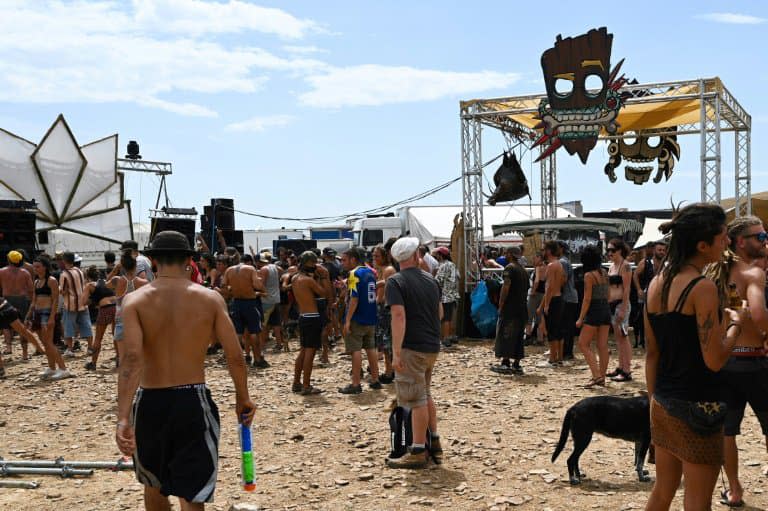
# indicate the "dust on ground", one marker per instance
pixel 327 452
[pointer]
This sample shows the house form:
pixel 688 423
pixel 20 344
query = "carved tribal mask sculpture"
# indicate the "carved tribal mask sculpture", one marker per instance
pixel 644 148
pixel 582 93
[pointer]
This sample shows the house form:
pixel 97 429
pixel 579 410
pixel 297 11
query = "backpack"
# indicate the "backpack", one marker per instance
pixel 401 432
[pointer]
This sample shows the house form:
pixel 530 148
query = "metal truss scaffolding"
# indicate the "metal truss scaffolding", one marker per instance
pixel 703 106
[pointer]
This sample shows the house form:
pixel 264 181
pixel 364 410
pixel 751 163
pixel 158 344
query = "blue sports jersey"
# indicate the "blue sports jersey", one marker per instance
pixel 362 285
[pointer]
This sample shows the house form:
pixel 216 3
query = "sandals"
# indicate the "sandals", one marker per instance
pixel 296 388
pixel 595 382
pixel 726 501
pixel 614 373
pixel 622 376
pixel 311 391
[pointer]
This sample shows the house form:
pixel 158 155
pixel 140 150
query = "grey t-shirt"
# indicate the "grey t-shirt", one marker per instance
pixel 569 289
pixel 419 293
pixel 143 264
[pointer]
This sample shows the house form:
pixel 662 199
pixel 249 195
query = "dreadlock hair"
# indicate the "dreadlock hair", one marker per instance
pixel 690 225
pixel 719 272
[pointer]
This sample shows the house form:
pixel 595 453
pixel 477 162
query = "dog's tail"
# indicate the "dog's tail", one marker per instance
pixel 563 436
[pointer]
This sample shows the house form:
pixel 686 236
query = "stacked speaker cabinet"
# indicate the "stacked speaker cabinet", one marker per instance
pixel 220 215
pixel 185 226
pixel 17 231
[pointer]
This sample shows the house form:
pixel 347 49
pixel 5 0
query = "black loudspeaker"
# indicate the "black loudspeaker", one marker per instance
pixel 234 239
pixel 205 223
pixel 297 246
pixel 185 226
pixel 17 231
pixel 42 237
pixel 224 213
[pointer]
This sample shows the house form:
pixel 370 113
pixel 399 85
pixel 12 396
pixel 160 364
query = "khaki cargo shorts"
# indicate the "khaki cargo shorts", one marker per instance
pixel 361 337
pixel 413 384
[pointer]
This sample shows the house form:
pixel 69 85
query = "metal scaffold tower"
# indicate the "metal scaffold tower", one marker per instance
pixel 703 106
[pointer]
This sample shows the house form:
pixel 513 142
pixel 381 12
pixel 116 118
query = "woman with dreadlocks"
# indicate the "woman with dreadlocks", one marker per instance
pixel 687 344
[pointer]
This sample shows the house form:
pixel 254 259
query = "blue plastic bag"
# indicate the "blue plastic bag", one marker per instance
pixel 484 314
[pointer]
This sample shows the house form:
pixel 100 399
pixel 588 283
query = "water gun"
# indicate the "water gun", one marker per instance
pixel 246 456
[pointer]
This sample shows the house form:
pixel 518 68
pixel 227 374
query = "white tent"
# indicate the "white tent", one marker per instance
pixel 76 188
pixel 434 224
pixel 650 231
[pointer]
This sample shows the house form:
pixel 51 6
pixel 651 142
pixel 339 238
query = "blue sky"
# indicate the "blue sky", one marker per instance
pixel 313 108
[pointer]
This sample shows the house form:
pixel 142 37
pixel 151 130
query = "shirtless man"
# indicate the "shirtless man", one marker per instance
pixel 173 429
pixel 17 287
pixel 244 285
pixel 553 305
pixel 744 377
pixel 308 285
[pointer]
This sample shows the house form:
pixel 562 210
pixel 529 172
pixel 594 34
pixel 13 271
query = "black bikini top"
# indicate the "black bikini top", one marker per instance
pixel 615 280
pixel 44 290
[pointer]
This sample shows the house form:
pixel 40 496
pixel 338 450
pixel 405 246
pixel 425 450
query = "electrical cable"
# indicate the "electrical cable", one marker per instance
pixel 327 219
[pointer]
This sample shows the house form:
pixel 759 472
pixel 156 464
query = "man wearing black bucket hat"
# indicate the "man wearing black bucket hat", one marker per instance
pixel 172 429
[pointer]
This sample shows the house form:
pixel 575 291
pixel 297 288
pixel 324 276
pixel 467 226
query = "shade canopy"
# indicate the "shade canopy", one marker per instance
pixel 560 224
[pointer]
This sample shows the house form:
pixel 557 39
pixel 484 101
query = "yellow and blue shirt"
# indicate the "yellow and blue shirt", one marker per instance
pixel 362 285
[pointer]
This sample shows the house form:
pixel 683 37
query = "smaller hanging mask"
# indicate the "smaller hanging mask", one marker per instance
pixel 640 153
pixel 510 181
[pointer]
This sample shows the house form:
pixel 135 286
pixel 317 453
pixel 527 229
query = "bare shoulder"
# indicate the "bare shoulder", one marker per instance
pixel 705 289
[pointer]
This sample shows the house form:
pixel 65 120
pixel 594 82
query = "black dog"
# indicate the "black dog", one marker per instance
pixel 615 417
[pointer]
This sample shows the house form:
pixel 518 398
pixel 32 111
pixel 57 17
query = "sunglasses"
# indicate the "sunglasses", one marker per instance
pixel 761 236
pixel 610 250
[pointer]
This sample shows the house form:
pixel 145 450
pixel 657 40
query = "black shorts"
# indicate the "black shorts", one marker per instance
pixel 311 330
pixel 21 304
pixel 448 309
pixel 177 439
pixel 744 380
pixel 246 313
pixel 274 318
pixel 554 318
pixel 8 314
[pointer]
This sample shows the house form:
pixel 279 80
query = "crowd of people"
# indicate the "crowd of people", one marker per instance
pixel 681 297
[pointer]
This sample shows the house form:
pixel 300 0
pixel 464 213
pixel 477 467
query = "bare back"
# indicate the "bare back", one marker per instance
pixel 555 276
pixel 177 319
pixel 243 281
pixel 15 281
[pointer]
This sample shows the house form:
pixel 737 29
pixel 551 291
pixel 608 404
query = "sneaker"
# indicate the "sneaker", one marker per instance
pixel 60 374
pixel 375 385
pixel 351 389
pixel 261 363
pixel 386 379
pixel 410 460
pixel 90 366
pixel 436 450
pixel 517 370
pixel 69 353
pixel 47 373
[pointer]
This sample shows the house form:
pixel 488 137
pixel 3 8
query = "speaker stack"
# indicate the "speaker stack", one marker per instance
pixel 175 219
pixel 17 228
pixel 220 215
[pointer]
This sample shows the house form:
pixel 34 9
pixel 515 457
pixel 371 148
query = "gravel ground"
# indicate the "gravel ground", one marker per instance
pixel 328 452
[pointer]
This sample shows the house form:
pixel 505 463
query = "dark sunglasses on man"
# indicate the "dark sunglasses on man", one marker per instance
pixel 761 236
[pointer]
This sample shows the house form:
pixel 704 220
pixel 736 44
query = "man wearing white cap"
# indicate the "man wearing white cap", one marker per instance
pixel 16 286
pixel 414 300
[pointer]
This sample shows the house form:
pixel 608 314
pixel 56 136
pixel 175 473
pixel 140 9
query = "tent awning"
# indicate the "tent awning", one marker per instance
pixel 559 224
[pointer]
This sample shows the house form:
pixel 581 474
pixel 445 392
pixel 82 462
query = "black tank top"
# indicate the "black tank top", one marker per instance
pixel 682 373
pixel 101 292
